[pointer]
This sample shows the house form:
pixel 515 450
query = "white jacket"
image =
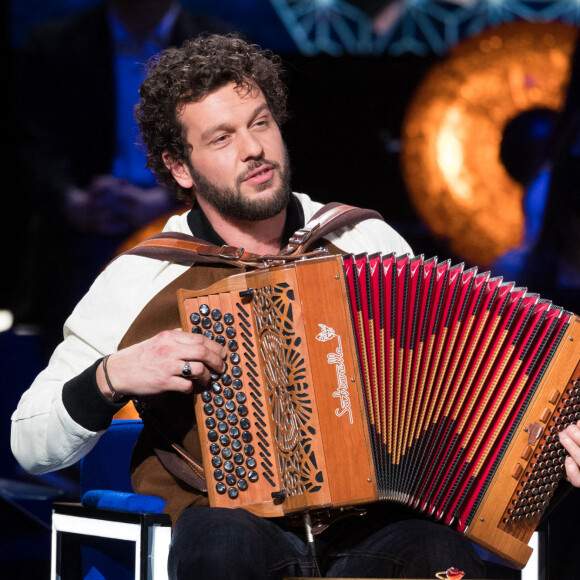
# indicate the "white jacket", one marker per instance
pixel 44 435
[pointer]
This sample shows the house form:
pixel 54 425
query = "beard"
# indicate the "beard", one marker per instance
pixel 231 203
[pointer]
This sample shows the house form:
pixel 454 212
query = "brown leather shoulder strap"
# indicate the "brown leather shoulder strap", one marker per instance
pixel 328 218
pixel 187 250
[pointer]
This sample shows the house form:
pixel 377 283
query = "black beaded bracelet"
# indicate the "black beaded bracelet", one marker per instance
pixel 117 397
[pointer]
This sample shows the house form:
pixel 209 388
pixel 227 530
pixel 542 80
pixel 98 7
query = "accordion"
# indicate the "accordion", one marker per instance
pixel 355 379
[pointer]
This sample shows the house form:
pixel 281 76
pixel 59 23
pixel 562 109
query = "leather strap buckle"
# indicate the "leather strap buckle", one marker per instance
pixel 234 253
pixel 301 236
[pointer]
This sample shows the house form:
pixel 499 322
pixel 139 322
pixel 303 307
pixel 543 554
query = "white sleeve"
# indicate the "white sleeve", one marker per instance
pixel 44 436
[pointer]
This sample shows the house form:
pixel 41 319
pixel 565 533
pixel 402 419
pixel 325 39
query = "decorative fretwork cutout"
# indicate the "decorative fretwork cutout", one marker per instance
pixel 288 392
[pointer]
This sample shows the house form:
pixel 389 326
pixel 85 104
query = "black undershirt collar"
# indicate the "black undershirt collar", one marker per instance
pixel 201 227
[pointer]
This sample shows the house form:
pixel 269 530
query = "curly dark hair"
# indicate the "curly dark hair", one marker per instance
pixel 178 76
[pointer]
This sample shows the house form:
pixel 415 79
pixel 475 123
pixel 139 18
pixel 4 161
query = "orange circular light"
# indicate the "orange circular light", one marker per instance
pixel 453 128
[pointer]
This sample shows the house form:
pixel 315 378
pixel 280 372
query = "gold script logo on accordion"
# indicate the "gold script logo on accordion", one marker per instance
pixel 336 358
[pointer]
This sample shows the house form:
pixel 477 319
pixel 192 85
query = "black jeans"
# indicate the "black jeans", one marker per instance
pixel 387 542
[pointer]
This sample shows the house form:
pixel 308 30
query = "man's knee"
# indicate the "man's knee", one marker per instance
pixel 226 543
pixel 209 533
pixel 434 547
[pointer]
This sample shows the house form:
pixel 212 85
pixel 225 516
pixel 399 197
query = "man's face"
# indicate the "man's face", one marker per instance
pixel 238 163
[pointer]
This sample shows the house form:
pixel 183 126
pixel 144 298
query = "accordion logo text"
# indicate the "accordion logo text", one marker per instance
pixel 336 359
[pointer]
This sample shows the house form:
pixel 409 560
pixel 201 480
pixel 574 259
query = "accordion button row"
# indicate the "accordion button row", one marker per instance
pixel 548 468
pixel 210 324
pixel 227 422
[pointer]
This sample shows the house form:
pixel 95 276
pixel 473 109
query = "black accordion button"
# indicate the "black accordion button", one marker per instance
pixel 243 410
pixel 236 445
pixel 216 461
pixel 216 387
pixel 218 327
pixel 208 334
pixel 224 440
pixel 214 449
pixel 226 380
pixel 204 309
pixel 229 466
pixel 195 318
pixel 240 471
pixel 235 358
pixel 232 419
pixel 251 463
pixel 222 425
pixel 220 340
pixel 234 432
pixel 232 345
pixel 196 330
pixel 246 437
pixel 210 423
pixel 221 488
pixel 249 450
pixel 208 409
pixel 206 323
pixel 216 314
pixel 218 474
pixel 230 406
pixel 228 393
pixel 230 333
pixel 231 479
pixel 236 371
pixel 212 435
pixel 242 484
pixel 241 397
pixel 237 384
pixel 253 476
pixel 227 453
pixel 245 423
pixel 218 400
pixel 228 318
pixel 206 396
pixel 238 458
pixel 220 414
pixel 233 493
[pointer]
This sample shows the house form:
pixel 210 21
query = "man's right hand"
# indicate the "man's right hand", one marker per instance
pixel 155 365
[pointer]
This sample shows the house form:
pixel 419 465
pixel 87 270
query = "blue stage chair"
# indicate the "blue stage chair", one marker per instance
pixel 113 532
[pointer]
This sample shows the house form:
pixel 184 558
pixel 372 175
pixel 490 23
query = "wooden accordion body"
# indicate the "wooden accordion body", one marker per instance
pixel 354 379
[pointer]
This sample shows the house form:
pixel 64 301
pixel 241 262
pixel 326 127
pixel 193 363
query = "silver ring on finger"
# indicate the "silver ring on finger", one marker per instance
pixel 186 370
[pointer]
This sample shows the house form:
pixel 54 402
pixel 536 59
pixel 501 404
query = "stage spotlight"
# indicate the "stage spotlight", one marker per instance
pixel 492 100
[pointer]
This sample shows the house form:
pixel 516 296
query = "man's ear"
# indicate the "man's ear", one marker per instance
pixel 179 170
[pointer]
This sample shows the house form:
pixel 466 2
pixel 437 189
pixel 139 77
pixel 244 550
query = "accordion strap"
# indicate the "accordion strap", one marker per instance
pixel 186 249
pixel 172 456
pixel 328 218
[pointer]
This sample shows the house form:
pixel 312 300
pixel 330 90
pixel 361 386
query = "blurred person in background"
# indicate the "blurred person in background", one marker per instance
pixel 548 259
pixel 84 173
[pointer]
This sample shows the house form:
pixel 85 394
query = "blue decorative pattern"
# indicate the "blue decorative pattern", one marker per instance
pixel 420 27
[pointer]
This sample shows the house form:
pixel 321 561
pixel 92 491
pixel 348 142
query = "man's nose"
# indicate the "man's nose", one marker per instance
pixel 250 146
